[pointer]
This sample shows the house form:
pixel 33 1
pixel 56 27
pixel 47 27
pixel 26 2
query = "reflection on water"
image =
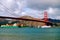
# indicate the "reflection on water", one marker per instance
pixel 29 34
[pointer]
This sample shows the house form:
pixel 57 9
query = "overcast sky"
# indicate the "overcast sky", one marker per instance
pixel 34 8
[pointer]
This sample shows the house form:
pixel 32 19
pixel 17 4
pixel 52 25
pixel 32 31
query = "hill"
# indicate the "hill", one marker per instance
pixel 54 20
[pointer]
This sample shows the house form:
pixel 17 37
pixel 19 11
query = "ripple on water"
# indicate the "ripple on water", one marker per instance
pixel 29 34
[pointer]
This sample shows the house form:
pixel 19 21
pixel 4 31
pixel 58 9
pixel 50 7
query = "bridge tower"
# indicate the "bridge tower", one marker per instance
pixel 45 16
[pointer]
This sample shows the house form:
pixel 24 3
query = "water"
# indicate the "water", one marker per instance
pixel 29 33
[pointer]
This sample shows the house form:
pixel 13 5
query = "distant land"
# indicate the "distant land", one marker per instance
pixel 4 21
pixel 54 20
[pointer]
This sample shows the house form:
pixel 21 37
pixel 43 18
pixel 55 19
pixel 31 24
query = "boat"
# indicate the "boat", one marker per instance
pixel 45 26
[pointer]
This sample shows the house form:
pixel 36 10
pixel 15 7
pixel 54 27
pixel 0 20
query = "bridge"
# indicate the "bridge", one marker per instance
pixel 10 13
pixel 23 19
pixel 13 14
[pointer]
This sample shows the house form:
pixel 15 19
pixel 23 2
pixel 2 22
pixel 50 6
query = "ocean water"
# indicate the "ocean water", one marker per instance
pixel 29 33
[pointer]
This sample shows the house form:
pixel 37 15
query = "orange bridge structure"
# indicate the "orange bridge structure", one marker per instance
pixel 46 22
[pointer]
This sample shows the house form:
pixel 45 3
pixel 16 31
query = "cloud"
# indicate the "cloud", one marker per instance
pixel 11 7
pixel 7 6
pixel 58 17
pixel 34 8
pixel 52 12
pixel 43 4
pixel 33 13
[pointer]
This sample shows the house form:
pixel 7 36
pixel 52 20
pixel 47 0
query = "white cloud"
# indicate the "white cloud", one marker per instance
pixel 21 4
pixel 50 10
pixel 58 17
pixel 15 7
pixel 27 7
pixel 17 11
pixel 23 13
pixel 53 12
pixel 33 13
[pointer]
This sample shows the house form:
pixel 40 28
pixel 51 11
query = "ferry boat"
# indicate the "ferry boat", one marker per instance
pixel 45 26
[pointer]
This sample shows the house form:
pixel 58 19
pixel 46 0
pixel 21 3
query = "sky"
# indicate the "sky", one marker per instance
pixel 34 8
